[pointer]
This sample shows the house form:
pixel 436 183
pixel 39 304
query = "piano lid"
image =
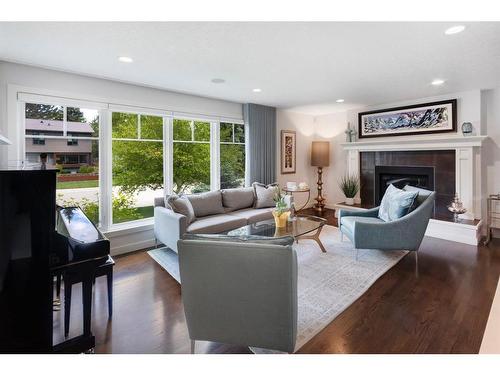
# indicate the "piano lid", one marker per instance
pixel 77 225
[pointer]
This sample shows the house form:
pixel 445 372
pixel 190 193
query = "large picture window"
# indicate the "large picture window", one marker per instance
pixel 114 160
pixel 232 155
pixel 68 138
pixel 191 156
pixel 137 165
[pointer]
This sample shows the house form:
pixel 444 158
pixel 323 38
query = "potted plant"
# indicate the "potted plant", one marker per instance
pixel 350 187
pixel 281 211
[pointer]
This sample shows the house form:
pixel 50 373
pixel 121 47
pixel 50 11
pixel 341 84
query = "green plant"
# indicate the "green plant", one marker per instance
pixel 86 169
pixel 279 199
pixel 349 185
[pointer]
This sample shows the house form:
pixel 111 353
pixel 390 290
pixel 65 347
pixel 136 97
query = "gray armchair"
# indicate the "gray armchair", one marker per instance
pixel 240 293
pixel 367 231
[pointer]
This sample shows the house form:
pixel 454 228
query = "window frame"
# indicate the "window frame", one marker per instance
pixel 105 139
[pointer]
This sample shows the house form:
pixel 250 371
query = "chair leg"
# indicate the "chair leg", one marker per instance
pixel 67 304
pixel 193 343
pixel 156 243
pixel 416 263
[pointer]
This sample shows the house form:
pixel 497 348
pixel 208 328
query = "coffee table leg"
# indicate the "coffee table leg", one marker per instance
pixel 315 237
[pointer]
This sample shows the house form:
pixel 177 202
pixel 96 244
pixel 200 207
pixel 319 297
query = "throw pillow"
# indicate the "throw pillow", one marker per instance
pixel 181 205
pixel 395 203
pixel 205 204
pixel 264 195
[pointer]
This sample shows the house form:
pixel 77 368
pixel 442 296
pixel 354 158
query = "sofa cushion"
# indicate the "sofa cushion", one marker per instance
pixel 395 203
pixel 236 199
pixel 216 224
pixel 264 195
pixel 205 204
pixel 181 205
pixel 348 221
pixel 254 215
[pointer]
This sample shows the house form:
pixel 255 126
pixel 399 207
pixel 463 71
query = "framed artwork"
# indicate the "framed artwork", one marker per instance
pixel 435 117
pixel 288 148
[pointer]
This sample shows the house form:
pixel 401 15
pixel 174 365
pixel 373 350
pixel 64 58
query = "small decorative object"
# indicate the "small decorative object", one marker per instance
pixel 288 146
pixel 467 128
pixel 350 187
pixel 320 157
pixel 303 186
pixel 291 185
pixel 281 211
pixel 350 133
pixel 457 207
pixel 436 117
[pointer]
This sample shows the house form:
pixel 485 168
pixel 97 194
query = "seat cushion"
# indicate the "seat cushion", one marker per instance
pixel 254 215
pixel 216 224
pixel 237 199
pixel 348 221
pixel 205 204
pixel 395 203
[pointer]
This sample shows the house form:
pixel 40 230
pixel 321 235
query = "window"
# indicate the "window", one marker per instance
pixel 137 158
pixel 232 155
pixel 70 138
pixel 191 156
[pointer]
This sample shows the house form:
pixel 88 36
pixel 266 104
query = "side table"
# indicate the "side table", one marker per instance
pixel 291 191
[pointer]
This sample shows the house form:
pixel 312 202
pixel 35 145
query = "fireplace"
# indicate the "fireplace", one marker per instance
pixel 430 169
pixel 400 176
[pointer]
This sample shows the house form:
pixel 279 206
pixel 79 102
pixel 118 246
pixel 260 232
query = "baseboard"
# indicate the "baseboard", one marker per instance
pixel 130 247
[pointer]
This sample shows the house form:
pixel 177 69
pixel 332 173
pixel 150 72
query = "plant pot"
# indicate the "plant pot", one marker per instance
pixel 281 219
pixel 349 201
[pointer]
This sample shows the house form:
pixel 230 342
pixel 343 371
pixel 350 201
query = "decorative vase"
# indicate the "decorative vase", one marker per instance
pixel 349 201
pixel 467 128
pixel 280 219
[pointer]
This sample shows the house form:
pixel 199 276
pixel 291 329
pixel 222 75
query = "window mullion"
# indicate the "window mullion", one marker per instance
pixel 105 168
pixel 214 155
pixel 168 145
pixel 65 121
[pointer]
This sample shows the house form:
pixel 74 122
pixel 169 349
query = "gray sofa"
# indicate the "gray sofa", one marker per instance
pixel 215 212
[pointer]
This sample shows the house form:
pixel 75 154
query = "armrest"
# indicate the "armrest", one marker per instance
pixel 372 212
pixel 169 226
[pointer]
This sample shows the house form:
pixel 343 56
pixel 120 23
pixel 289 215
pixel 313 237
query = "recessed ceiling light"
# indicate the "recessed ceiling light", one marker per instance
pixel 218 80
pixel 256 90
pixel 437 82
pixel 125 59
pixel 340 100
pixel 454 30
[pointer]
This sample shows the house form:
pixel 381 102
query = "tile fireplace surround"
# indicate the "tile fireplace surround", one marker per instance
pixel 467 174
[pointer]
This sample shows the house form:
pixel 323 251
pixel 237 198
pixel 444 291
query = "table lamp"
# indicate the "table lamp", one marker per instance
pixel 320 157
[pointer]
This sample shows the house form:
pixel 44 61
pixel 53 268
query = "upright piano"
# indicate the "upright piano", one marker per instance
pixel 38 241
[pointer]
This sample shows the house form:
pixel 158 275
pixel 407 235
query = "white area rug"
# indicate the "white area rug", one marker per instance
pixel 328 283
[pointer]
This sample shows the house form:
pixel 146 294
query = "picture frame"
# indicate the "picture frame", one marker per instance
pixel 424 118
pixel 288 151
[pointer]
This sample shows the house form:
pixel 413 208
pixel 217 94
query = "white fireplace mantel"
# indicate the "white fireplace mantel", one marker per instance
pixel 466 151
pixel 416 143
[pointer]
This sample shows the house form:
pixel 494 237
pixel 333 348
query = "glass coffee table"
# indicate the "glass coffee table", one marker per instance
pixel 305 227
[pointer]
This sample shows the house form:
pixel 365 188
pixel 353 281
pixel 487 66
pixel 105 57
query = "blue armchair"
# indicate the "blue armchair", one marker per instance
pixel 367 231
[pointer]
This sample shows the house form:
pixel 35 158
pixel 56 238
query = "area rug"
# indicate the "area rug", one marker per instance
pixel 328 283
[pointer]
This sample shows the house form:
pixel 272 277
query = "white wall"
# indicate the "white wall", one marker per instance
pixel 95 89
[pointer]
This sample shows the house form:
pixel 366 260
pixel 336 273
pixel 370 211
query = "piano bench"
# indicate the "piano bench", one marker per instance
pixel 106 269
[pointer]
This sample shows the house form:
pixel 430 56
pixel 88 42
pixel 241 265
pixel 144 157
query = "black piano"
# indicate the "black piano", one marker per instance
pixel 37 242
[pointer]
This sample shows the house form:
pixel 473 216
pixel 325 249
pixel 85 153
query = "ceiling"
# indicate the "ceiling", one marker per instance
pixel 303 66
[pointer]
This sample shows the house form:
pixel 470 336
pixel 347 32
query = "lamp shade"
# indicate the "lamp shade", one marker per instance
pixel 320 154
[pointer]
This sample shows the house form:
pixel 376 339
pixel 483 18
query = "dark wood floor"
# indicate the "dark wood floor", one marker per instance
pixel 443 310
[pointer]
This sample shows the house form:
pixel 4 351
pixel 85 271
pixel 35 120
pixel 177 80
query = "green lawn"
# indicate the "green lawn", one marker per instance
pixel 77 184
pixel 139 213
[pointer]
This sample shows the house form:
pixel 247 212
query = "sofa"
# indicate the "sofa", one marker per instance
pixel 214 212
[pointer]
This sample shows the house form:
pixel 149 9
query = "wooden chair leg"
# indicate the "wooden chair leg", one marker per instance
pixel 109 277
pixel 67 304
pixel 87 305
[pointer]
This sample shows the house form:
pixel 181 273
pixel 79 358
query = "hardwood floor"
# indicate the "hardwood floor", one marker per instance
pixel 443 310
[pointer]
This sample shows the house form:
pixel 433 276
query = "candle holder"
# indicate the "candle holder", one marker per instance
pixel 457 207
